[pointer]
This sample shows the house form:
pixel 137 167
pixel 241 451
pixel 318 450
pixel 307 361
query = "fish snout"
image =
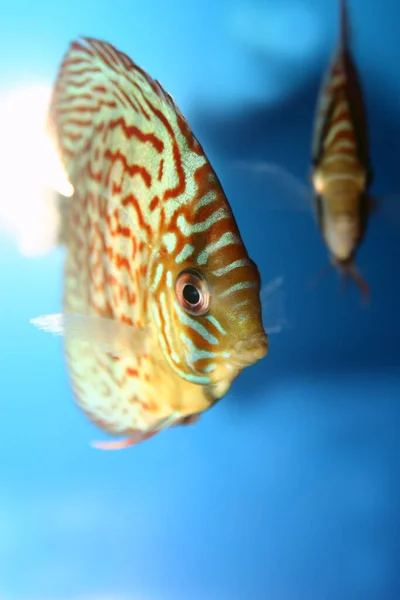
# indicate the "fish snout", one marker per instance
pixel 253 349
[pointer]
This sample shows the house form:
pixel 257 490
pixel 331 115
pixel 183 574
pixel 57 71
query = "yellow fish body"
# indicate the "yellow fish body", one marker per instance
pixel 161 307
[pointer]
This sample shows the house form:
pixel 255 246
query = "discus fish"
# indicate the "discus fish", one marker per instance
pixel 342 171
pixel 161 305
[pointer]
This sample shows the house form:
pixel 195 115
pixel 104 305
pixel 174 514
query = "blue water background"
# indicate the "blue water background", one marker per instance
pixel 288 489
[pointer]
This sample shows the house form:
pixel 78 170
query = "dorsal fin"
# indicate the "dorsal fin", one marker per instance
pixel 344 35
pixel 96 83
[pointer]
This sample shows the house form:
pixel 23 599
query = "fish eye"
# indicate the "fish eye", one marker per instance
pixel 192 292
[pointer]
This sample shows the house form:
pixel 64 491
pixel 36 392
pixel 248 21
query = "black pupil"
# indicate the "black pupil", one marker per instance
pixel 191 294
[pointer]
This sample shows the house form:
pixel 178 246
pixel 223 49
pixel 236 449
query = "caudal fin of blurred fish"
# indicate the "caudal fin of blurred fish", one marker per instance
pixel 346 273
pixel 351 272
pixel 34 184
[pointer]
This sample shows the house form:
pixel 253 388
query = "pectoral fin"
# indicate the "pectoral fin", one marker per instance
pixel 112 336
pixel 283 190
pixel 273 306
pixel 385 206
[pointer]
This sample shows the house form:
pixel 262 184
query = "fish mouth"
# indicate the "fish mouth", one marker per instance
pixel 244 354
pixel 247 352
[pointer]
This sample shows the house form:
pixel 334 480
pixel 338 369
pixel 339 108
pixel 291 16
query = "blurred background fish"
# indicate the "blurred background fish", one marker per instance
pixel 342 172
pixel 341 168
pixel 161 308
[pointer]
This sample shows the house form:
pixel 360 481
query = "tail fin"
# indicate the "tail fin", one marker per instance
pixel 345 271
pixel 352 272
